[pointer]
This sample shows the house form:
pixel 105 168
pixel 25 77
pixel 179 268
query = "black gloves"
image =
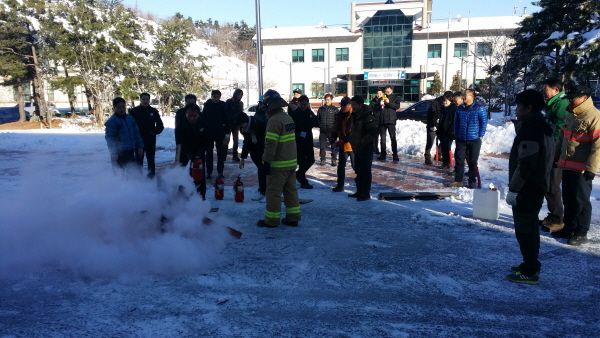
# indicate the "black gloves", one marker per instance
pixel 267 167
pixel 588 176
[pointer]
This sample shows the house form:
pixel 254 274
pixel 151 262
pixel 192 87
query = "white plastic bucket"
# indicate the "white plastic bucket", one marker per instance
pixel 485 204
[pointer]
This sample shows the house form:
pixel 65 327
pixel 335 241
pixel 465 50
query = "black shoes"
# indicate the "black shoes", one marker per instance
pixel 323 162
pixel 562 234
pixel 261 223
pixel 333 162
pixel 381 157
pixel 235 159
pixel 337 189
pixel 306 186
pixel 289 223
pixel 577 240
pixel 363 198
pixel 472 185
pixel 396 159
pixel 355 195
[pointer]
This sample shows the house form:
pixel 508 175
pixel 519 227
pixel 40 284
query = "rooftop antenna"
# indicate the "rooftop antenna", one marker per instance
pixel 515 7
pixel 458 17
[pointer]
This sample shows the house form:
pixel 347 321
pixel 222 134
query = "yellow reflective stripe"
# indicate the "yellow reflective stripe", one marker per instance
pixel 272 136
pixel 272 214
pixel 293 210
pixel 281 164
pixel 289 137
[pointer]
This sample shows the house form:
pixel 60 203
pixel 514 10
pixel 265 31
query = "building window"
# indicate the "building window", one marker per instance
pixel 341 54
pixel 461 50
pixel 317 89
pixel 298 86
pixel 484 49
pixel 434 51
pixel 318 55
pixel 387 40
pixel 297 55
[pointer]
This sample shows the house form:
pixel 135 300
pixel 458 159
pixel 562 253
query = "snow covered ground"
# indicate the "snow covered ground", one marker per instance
pixel 82 255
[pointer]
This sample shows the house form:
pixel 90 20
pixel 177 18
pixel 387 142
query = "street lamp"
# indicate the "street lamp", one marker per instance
pixel 259 47
pixel 291 84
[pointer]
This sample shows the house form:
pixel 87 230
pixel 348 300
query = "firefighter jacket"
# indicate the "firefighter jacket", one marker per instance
pixel 254 136
pixel 122 134
pixel 556 112
pixel 470 122
pixel 342 128
pixel 304 122
pixel 388 112
pixel 148 121
pixel 578 147
pixel 326 116
pixel 531 156
pixel 280 140
pixel 192 138
pixel 364 128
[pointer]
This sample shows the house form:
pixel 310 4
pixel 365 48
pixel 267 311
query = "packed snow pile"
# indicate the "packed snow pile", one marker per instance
pixel 110 225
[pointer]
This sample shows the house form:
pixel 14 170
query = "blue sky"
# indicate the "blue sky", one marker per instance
pixel 286 13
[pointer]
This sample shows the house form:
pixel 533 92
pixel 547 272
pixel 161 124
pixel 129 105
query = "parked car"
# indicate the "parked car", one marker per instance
pixel 417 111
pixel 30 107
pixel 251 109
pixel 11 114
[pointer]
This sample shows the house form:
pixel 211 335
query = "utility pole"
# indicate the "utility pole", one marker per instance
pixel 247 81
pixel 259 48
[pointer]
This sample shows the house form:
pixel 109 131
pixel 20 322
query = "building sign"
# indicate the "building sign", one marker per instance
pixel 396 74
pixel 383 83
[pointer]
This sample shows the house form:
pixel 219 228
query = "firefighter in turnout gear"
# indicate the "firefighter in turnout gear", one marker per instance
pixel 280 164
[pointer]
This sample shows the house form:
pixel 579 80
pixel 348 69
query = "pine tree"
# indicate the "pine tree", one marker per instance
pixel 455 86
pixel 436 86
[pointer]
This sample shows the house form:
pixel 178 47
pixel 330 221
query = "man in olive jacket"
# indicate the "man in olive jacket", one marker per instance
pixel 556 113
pixel 364 129
pixel 578 154
pixel 280 163
pixel 387 123
pixel 529 166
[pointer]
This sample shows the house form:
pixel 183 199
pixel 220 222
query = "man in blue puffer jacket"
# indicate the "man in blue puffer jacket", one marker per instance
pixel 122 136
pixel 470 122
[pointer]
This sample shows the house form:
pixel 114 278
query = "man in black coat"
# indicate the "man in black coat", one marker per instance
pixel 150 124
pixel 191 138
pixel 234 107
pixel 529 167
pixel 387 123
pixel 215 117
pixel 254 131
pixel 433 116
pixel 304 120
pixel 180 114
pixel 326 117
pixel 293 104
pixel 377 104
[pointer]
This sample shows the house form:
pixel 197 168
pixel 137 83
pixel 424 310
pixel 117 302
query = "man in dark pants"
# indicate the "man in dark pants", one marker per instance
pixel 433 117
pixel 191 140
pixel 578 154
pixel 326 117
pixel 387 123
pixel 341 130
pixel 364 129
pixel 215 118
pixel 253 131
pixel 180 114
pixel 377 104
pixel 234 107
pixel 529 166
pixel 304 120
pixel 150 124
pixel 470 123
pixel 556 113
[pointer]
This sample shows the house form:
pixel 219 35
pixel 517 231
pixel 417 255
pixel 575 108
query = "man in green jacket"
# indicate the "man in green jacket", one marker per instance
pixel 556 113
pixel 280 161
pixel 578 153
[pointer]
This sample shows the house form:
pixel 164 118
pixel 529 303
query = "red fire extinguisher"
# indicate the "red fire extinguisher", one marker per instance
pixel 197 172
pixel 238 190
pixel 219 188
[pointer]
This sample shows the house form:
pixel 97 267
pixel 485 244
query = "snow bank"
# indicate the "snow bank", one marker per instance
pixel 106 225
pixel 411 138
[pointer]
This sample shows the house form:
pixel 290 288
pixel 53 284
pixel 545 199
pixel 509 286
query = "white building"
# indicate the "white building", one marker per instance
pixel 386 43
